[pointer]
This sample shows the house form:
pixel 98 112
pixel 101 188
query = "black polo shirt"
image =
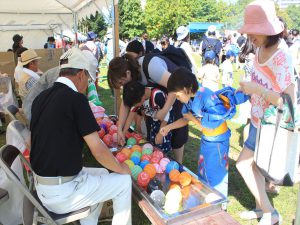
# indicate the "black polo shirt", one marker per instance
pixel 60 119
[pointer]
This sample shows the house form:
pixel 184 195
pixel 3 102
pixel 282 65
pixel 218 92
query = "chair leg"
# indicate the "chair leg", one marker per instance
pixel 35 216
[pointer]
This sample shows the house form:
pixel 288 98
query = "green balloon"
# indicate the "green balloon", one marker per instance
pixel 131 141
pixel 135 171
pixel 147 151
pixel 136 154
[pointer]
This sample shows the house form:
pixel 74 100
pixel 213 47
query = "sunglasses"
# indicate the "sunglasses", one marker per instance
pixel 163 43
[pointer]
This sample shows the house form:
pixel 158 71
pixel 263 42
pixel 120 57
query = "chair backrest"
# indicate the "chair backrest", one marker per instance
pixel 3 195
pixel 8 154
pixel 18 134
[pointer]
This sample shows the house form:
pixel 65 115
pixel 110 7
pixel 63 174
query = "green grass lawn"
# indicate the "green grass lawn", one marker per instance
pixel 240 198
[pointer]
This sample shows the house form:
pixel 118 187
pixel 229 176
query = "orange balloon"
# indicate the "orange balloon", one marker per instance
pixel 174 175
pixel 136 148
pixel 195 180
pixel 150 169
pixel 185 178
pixel 185 191
pixel 126 151
pixel 174 185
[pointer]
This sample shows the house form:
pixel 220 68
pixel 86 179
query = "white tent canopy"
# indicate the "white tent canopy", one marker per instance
pixel 38 19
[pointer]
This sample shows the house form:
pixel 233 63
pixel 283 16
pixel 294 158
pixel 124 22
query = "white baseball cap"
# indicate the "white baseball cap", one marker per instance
pixel 93 63
pixel 212 28
pixel 76 59
pixel 182 32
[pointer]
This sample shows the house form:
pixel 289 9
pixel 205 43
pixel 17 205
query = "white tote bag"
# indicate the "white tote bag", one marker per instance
pixel 277 150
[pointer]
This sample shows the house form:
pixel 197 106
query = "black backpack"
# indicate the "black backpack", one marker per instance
pixel 171 56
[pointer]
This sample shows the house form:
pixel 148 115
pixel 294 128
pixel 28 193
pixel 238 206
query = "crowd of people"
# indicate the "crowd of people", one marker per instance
pixel 163 86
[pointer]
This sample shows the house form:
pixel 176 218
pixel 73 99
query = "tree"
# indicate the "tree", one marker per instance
pixel 131 18
pixel 294 14
pixel 94 23
pixel 163 17
pixel 235 16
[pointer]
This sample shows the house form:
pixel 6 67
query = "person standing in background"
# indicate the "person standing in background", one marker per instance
pixel 227 69
pixel 209 73
pixel 164 42
pixel 50 43
pixel 90 44
pixel 148 45
pixel 18 43
pixel 183 38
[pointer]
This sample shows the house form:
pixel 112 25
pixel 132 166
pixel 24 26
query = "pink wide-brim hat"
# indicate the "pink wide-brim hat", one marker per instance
pixel 260 18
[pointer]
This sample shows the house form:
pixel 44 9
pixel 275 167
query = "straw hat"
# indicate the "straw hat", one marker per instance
pixel 260 18
pixel 28 56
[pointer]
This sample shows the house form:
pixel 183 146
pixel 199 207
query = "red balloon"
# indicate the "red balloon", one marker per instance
pixel 121 157
pixel 109 124
pixel 128 135
pixel 107 139
pixel 101 133
pixel 143 179
pixel 146 157
pixel 137 137
pixel 154 159
pixel 113 129
pixel 158 154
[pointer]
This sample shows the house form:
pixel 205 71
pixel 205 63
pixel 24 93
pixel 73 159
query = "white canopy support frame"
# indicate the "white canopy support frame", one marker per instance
pixel 46 16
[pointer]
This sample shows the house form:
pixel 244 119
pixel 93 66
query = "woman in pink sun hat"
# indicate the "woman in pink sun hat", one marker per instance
pixel 271 76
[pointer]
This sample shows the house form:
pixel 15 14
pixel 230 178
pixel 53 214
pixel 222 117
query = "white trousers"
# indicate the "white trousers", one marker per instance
pixel 91 187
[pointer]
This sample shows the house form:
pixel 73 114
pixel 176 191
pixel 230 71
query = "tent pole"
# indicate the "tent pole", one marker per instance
pixel 75 21
pixel 297 219
pixel 117 93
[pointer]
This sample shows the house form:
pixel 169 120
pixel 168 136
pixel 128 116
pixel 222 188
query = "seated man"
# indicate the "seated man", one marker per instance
pixel 47 80
pixel 29 76
pixel 60 124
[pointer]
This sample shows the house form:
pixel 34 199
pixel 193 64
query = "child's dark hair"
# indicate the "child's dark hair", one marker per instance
pixel 182 79
pixel 133 92
pixel 209 61
pixel 246 50
pixel 135 46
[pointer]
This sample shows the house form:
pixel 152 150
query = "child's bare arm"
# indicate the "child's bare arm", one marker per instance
pixel 128 122
pixel 159 136
pixel 177 124
pixel 189 116
pixel 160 115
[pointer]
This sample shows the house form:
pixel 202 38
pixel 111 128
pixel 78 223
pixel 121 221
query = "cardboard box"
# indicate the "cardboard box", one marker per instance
pixel 7 63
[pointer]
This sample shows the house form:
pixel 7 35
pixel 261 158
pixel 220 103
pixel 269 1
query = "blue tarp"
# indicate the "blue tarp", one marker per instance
pixel 199 27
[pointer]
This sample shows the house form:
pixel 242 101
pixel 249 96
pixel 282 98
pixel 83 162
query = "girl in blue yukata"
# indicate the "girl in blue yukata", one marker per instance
pixel 209 110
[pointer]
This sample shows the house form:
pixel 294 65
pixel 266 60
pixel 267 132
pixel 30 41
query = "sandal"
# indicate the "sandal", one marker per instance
pixel 273 218
pixel 252 214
